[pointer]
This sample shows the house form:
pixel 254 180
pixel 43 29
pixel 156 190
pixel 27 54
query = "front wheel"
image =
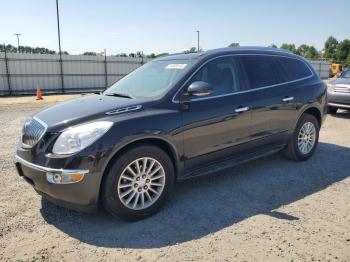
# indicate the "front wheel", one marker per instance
pixel 138 183
pixel 304 140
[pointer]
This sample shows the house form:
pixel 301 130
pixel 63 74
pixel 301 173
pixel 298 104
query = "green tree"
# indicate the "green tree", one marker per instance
pixel 343 51
pixel 302 50
pixel 43 50
pixel 330 47
pixel 273 46
pixel 152 55
pixel 161 54
pixel 29 50
pixel 233 45
pixel 90 53
pixel 312 53
pixel 122 55
pixel 9 48
pixel 191 50
pixel 290 47
pixel 347 63
pixel 309 52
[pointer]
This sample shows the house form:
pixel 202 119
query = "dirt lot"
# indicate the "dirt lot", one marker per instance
pixel 267 210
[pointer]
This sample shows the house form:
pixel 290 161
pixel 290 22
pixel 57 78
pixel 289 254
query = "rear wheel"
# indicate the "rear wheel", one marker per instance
pixel 304 140
pixel 332 110
pixel 138 183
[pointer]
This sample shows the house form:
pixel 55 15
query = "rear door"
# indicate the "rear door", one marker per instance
pixel 273 104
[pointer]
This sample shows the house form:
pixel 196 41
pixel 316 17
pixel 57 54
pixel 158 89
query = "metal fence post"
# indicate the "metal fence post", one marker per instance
pixel 319 68
pixel 106 74
pixel 62 77
pixel 7 72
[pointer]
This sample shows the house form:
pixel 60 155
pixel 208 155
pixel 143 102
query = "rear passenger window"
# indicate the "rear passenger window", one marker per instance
pixel 296 69
pixel 259 71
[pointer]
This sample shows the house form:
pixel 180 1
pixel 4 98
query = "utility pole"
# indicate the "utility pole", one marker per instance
pixel 59 45
pixel 17 41
pixel 197 40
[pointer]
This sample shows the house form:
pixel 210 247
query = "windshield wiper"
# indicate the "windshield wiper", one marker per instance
pixel 119 95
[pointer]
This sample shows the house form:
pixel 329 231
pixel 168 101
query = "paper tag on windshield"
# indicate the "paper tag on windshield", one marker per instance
pixel 176 66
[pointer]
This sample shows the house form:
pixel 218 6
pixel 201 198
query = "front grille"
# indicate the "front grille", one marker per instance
pixel 342 89
pixel 33 130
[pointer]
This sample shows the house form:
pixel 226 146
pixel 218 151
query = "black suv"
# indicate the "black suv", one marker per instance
pixel 176 117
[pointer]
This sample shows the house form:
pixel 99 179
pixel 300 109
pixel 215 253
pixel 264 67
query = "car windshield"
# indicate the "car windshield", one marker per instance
pixel 151 80
pixel 346 74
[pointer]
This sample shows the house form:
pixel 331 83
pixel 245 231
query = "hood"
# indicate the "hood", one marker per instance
pixel 340 81
pixel 83 109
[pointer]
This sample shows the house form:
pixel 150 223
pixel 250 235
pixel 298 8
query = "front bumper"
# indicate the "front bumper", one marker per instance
pixel 18 159
pixel 338 99
pixel 81 196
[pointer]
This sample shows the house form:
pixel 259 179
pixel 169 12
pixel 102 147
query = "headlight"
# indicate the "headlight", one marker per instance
pixel 77 138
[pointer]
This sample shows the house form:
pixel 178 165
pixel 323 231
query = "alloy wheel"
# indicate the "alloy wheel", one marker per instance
pixel 141 183
pixel 306 138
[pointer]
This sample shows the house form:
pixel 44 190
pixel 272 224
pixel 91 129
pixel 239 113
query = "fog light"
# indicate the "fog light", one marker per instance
pixel 64 178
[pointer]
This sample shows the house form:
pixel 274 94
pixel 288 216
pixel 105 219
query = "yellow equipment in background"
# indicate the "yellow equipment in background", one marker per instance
pixel 335 69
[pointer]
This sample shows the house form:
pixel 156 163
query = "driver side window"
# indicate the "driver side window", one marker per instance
pixel 222 75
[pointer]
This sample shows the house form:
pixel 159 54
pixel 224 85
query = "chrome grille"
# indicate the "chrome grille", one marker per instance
pixel 32 132
pixel 342 88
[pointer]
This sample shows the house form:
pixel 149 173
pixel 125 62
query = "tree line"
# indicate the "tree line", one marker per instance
pixel 29 50
pixel 334 50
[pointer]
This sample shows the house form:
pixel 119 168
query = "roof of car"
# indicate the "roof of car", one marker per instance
pixel 222 51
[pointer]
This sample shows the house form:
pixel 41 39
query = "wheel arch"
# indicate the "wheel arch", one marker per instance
pixel 314 111
pixel 311 110
pixel 162 143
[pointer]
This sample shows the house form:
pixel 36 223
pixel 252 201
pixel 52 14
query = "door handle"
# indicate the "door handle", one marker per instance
pixel 289 98
pixel 241 109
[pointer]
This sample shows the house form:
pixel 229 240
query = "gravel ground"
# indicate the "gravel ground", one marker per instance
pixel 271 209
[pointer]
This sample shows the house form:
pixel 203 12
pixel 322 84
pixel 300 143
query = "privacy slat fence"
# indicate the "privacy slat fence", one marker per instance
pixel 322 67
pixel 21 73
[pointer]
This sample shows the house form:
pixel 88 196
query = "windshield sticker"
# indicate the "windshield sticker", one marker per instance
pixel 176 66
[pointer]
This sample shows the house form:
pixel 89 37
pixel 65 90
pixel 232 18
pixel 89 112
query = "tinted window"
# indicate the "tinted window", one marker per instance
pixel 259 71
pixel 279 70
pixel 346 74
pixel 295 68
pixel 221 74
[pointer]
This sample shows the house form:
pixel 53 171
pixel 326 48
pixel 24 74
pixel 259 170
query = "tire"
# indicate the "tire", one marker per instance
pixel 114 185
pixel 331 110
pixel 293 151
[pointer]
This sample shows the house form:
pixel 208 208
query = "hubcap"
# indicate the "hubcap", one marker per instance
pixel 306 138
pixel 141 183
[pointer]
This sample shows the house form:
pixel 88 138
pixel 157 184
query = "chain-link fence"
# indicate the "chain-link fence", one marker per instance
pixel 20 73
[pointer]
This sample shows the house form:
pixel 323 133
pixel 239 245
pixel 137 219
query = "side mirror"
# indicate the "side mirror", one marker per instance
pixel 199 88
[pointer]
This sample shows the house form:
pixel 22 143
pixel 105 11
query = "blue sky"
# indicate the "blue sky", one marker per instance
pixel 169 26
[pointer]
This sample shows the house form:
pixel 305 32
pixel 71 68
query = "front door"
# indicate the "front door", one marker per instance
pixel 215 125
